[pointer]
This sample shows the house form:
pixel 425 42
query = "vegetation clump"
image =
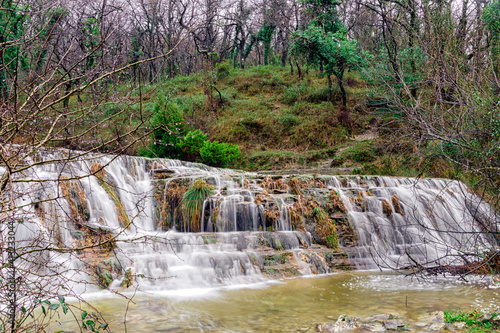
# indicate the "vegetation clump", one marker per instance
pixel 326 228
pixel 475 321
pixel 386 208
pixel 396 204
pixel 192 204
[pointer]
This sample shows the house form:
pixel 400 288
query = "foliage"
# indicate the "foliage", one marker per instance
pixel 192 204
pixel 475 321
pixel 491 15
pixel 169 130
pixel 219 154
pixel 325 228
pixel 361 152
pixel 333 51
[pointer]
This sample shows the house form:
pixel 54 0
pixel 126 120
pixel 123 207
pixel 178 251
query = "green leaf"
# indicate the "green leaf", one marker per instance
pixel 90 323
pixel 103 326
pixel 65 308
pixel 23 309
pixel 84 315
pixel 43 310
pixel 61 299
pixel 46 302
pixel 54 307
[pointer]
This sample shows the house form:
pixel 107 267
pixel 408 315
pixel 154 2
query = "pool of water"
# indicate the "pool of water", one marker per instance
pixel 294 305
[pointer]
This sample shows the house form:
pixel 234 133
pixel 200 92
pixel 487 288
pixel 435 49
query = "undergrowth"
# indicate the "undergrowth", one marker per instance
pixel 475 321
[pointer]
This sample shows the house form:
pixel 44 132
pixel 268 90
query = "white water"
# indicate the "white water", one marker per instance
pixel 441 222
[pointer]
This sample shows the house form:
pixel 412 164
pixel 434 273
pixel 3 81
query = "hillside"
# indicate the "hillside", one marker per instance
pixel 280 122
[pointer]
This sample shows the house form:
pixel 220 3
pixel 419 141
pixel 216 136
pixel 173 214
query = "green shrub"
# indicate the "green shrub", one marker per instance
pixel 194 141
pixel 289 120
pixel 294 93
pixel 222 70
pixel 219 154
pixel 361 152
pixel 169 123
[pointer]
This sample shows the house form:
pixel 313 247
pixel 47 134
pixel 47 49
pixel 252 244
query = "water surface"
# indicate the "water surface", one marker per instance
pixel 295 305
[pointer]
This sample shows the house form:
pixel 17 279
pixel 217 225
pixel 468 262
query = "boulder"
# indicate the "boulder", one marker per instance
pixel 374 327
pixel 346 323
pixel 436 327
pixel 394 325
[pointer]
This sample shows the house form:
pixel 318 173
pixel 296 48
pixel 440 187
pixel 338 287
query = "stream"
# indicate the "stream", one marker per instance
pixel 292 305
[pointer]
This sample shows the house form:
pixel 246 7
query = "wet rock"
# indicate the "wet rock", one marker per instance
pixel 436 327
pixel 460 325
pixel 378 318
pixel 394 324
pixel 374 327
pixel 436 317
pixel 485 316
pixel 346 323
pixel 328 327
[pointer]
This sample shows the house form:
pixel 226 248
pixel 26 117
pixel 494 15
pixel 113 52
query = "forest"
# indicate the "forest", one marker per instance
pixel 102 76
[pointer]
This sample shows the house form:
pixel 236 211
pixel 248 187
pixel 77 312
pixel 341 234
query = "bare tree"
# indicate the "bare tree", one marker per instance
pixel 60 69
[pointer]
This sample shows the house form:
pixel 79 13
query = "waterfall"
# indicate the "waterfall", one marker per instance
pixel 136 205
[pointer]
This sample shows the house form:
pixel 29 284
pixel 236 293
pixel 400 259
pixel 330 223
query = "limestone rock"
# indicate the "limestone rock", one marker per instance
pixel 394 324
pixel 485 316
pixel 436 327
pixel 436 317
pixel 328 327
pixel 379 318
pixel 346 323
pixel 374 327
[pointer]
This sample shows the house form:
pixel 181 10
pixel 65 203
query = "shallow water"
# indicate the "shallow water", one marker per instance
pixel 290 305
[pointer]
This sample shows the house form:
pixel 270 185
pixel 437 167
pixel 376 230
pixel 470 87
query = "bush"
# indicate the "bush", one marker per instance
pixel 361 152
pixel 289 120
pixel 294 93
pixel 219 154
pixel 193 142
pixel 167 137
pixel 222 70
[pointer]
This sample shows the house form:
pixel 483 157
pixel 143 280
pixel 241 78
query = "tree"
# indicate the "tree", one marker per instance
pixel 331 51
pixel 56 93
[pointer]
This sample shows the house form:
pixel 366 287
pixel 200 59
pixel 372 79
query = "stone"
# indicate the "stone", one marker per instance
pixel 374 327
pixel 485 316
pixel 394 324
pixel 327 327
pixel 436 327
pixel 346 323
pixel 436 317
pixel 379 317
pixel 459 325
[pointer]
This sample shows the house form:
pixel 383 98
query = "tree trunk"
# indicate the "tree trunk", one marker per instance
pixel 299 71
pixel 342 91
pixel 330 90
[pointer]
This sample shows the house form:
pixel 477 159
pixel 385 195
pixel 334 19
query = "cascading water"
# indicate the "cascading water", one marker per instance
pixel 136 205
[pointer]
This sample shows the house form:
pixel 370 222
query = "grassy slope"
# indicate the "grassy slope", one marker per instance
pixel 280 122
pixel 277 120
